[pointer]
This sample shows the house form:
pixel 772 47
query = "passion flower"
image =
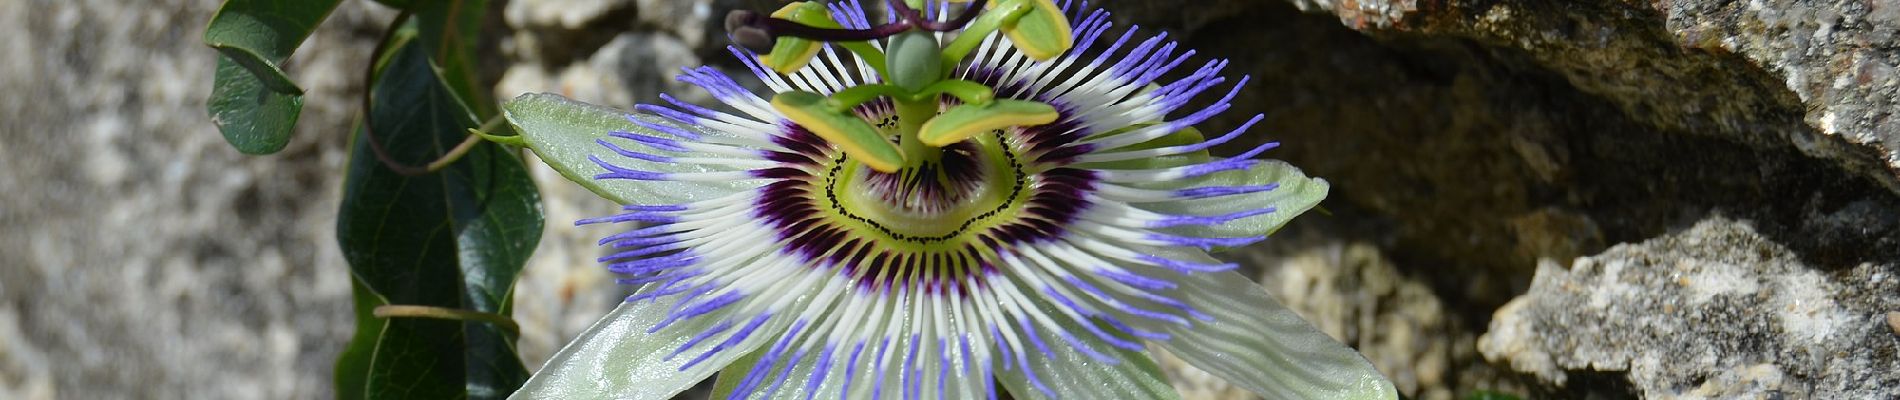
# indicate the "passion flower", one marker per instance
pixel 968 194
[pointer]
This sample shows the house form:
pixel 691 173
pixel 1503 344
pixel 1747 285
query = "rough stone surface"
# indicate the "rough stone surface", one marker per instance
pixel 1715 311
pixel 1451 146
pixel 143 257
pixel 1352 292
pixel 1750 71
pixel 1466 140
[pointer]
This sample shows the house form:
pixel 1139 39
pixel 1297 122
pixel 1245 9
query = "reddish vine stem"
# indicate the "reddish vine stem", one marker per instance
pixel 369 130
pixel 913 16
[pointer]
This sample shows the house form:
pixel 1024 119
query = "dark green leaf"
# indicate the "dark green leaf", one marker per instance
pixel 1490 395
pixel 455 238
pixel 253 118
pixel 253 102
pixel 728 379
pixel 267 73
pixel 352 366
pixel 452 28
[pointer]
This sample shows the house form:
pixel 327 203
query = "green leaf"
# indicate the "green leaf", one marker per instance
pixel 352 366
pixel 253 102
pixel 455 238
pixel 728 379
pixel 563 133
pixel 252 117
pixel 1490 395
pixel 453 30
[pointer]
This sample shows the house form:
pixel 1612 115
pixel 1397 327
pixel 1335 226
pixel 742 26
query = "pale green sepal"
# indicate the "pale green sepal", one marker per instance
pixel 1042 33
pixel 1296 194
pixel 563 133
pixel 963 121
pixel 1255 343
pixel 617 359
pixel 1073 375
pixel 841 128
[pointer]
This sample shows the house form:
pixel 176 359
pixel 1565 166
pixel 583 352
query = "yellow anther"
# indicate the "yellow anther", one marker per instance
pixel 1042 32
pixel 789 54
pixel 858 139
pixel 967 120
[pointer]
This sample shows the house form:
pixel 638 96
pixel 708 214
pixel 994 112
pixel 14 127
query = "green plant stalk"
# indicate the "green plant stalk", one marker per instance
pixel 408 311
pixel 911 116
pixel 870 55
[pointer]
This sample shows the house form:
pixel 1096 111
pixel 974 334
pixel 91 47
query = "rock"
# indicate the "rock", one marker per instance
pixel 555 32
pixel 145 258
pixel 693 21
pixel 564 15
pixel 1704 66
pixel 1488 135
pixel 1192 382
pixel 1715 311
pixel 645 66
pixel 1350 291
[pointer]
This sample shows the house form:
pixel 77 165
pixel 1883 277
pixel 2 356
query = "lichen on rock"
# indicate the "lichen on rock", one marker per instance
pixel 1715 311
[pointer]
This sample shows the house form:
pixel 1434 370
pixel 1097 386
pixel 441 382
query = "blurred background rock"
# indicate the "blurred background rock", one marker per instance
pixel 1584 199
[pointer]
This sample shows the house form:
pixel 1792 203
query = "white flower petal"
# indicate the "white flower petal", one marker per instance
pixel 617 358
pixel 1070 374
pixel 1254 342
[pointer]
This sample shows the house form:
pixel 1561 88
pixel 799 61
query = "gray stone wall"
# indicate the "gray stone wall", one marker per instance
pixel 142 256
pixel 1581 199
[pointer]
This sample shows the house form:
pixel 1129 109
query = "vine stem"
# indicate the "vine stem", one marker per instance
pixel 407 311
pixel 369 130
